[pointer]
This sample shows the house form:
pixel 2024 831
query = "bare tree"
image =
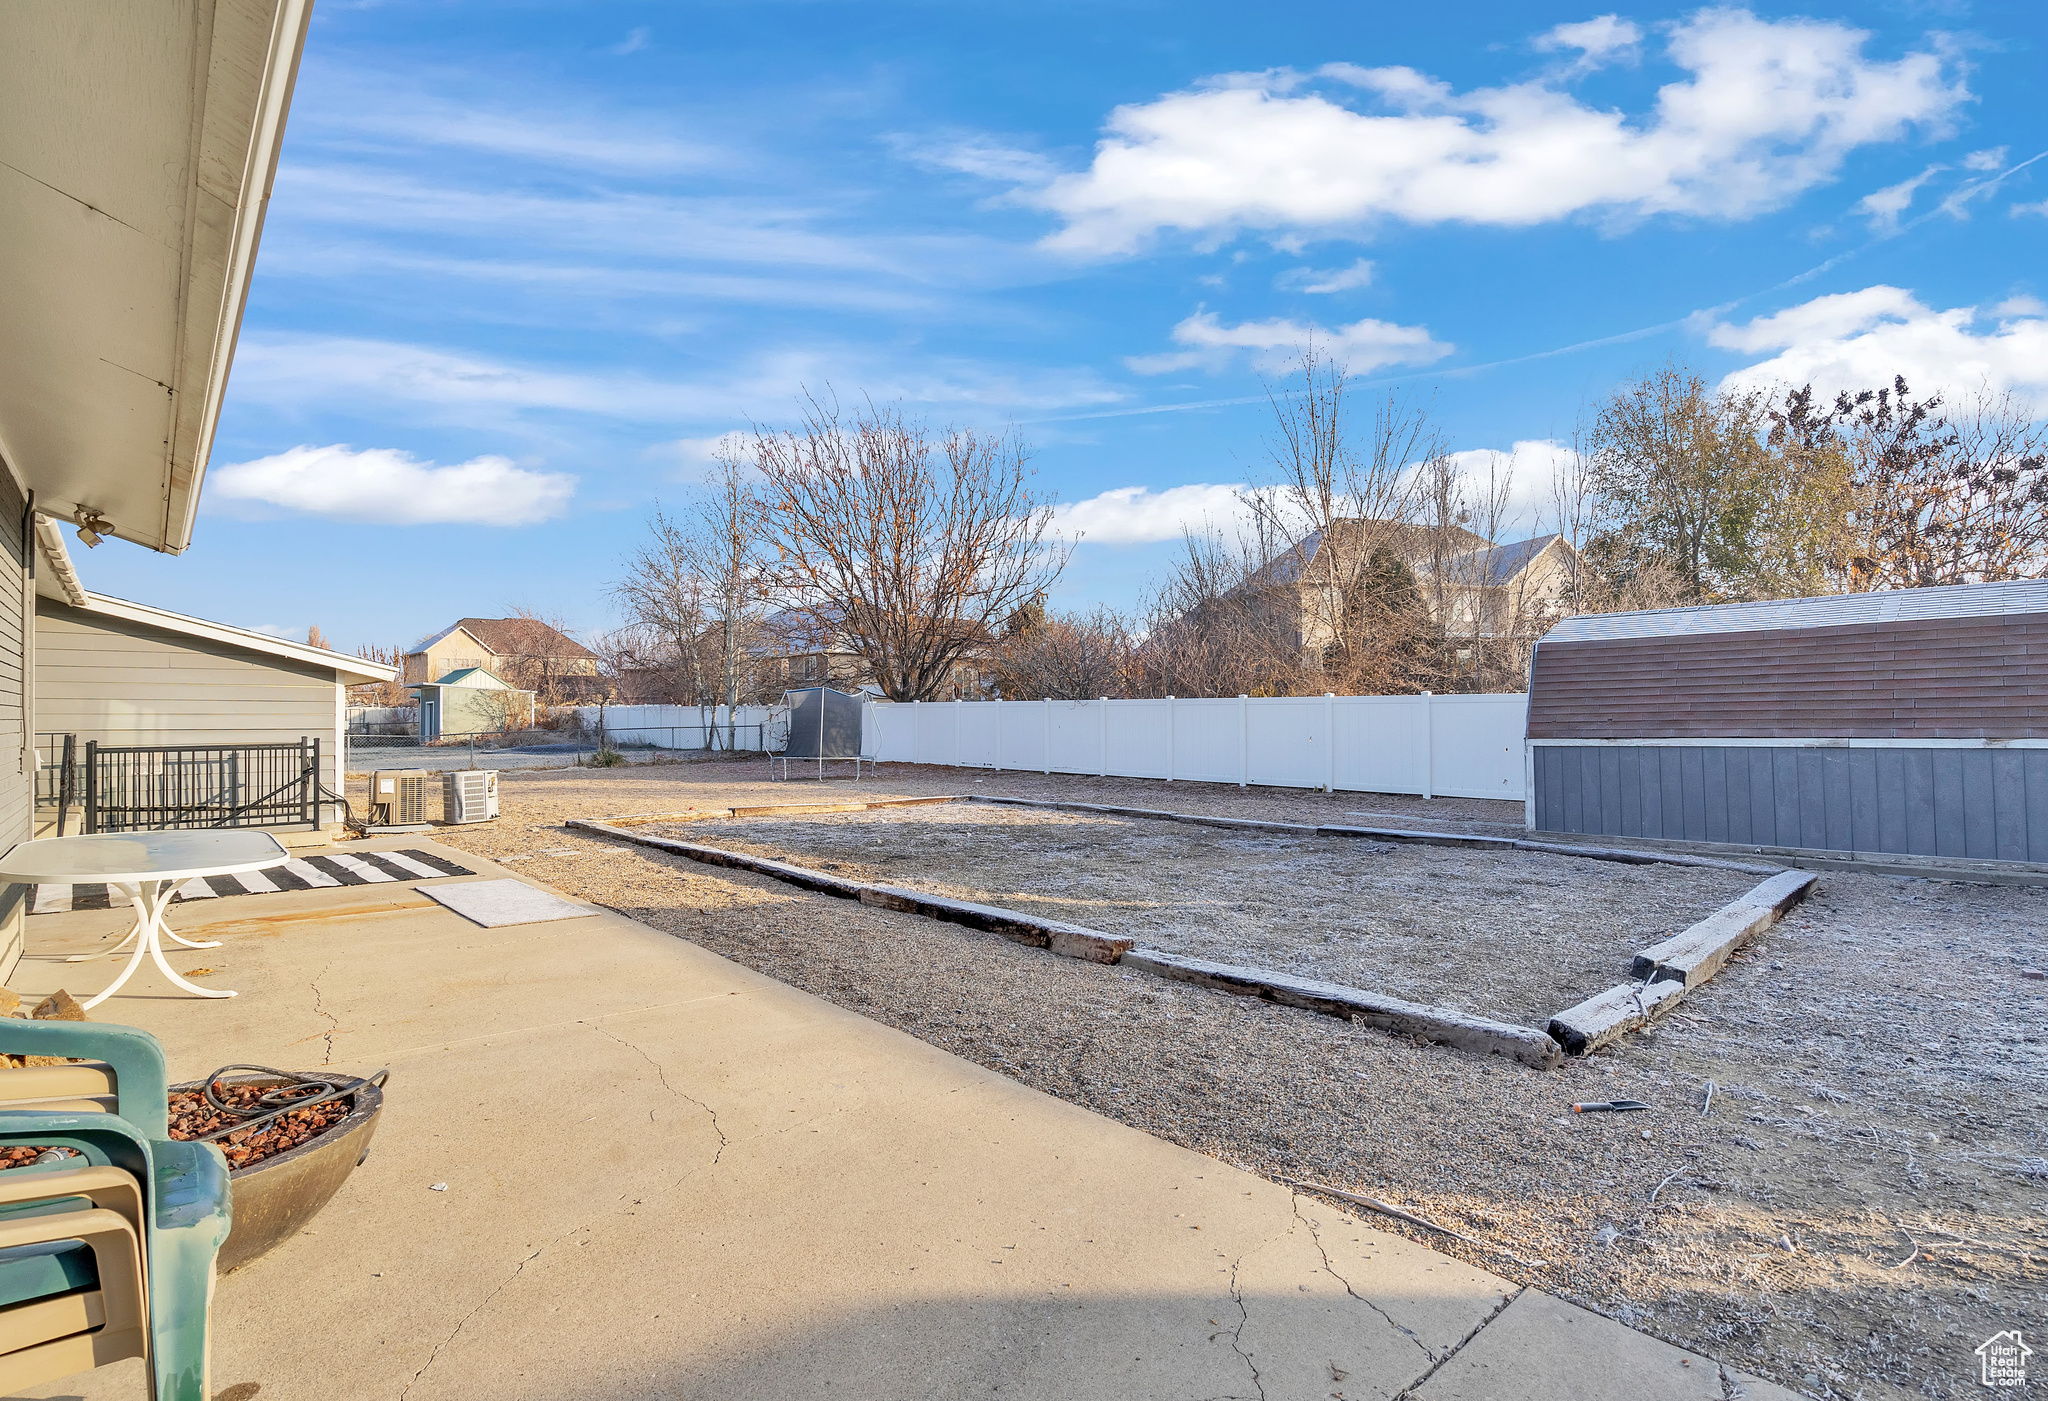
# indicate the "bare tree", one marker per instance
pixel 912 549
pixel 544 668
pixel 1338 509
pixel 725 550
pixel 390 692
pixel 1072 656
pixel 663 596
pixel 1224 621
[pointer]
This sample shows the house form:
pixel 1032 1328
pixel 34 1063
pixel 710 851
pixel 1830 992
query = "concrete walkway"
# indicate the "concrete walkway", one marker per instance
pixel 668 1176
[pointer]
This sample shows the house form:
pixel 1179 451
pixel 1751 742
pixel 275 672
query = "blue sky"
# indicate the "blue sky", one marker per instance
pixel 524 263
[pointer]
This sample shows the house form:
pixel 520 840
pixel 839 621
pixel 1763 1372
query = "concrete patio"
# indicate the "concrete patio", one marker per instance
pixel 668 1176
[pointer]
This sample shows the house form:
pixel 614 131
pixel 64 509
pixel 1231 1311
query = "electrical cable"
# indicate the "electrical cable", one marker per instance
pixel 301 1091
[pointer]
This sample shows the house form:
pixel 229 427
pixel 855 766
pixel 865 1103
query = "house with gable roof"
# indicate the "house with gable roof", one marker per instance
pixel 522 652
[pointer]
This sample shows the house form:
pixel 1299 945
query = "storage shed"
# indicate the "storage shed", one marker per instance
pixel 1912 722
pixel 471 703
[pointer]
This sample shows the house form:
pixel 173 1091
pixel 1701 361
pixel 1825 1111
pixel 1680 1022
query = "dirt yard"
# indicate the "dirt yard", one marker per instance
pixel 1513 936
pixel 1859 1207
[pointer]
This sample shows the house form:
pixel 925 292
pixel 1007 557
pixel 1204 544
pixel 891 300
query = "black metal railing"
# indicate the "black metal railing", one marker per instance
pixel 58 779
pixel 155 788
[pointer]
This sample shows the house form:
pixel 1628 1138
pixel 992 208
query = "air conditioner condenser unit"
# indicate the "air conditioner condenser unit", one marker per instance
pixel 398 798
pixel 469 795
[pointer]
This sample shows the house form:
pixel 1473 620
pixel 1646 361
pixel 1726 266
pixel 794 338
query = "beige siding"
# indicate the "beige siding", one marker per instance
pixel 17 720
pixel 123 682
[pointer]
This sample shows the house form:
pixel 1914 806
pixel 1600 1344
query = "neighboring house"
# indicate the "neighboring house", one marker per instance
pixel 135 166
pixel 1471 586
pixel 792 653
pixel 526 651
pixel 790 650
pixel 1509 591
pixel 126 674
pixel 471 702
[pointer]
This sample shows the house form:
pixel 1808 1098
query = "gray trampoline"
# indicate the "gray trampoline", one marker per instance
pixel 824 727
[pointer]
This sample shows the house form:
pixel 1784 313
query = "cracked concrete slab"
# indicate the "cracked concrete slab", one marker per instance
pixel 667 1175
pixel 1543 1349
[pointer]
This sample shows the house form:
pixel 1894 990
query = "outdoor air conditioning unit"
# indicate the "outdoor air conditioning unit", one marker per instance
pixel 398 798
pixel 469 795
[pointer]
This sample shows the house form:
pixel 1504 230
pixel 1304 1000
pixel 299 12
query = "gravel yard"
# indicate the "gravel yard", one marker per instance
pixel 1514 936
pixel 1859 1207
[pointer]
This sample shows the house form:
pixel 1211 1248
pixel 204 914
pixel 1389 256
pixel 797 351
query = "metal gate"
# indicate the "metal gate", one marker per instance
pixel 157 788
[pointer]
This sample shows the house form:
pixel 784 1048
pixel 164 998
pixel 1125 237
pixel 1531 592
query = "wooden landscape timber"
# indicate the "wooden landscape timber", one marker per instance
pixel 1067 940
pixel 1665 972
pixel 1388 834
pixel 1662 973
pixel 1442 1024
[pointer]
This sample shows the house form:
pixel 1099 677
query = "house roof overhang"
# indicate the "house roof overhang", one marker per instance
pixel 137 150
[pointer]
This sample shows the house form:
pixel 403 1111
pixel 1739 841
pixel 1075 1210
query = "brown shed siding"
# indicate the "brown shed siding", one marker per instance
pixel 1948 678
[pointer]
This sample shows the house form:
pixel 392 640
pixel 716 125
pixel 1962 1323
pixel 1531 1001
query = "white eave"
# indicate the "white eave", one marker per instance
pixel 137 149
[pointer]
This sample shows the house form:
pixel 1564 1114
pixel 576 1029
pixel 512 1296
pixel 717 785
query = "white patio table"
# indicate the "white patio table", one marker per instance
pixel 148 867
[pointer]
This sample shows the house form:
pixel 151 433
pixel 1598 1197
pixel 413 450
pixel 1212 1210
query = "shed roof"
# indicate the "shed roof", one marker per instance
pixel 474 678
pixel 1889 606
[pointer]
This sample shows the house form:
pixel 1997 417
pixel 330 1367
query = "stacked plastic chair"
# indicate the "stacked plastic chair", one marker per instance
pixel 107 1254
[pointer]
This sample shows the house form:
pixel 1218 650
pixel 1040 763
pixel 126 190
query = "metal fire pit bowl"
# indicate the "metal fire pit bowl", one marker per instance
pixel 274 1199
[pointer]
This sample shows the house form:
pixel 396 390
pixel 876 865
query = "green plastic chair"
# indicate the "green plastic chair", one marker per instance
pixel 184 1190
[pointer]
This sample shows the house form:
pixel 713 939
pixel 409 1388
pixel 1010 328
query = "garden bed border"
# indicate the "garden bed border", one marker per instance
pixel 1660 976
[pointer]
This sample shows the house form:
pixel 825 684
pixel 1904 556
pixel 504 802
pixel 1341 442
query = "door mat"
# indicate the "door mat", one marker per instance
pixel 301 873
pixel 495 902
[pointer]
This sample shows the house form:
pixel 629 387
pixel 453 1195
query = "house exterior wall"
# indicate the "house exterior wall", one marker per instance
pixel 448 654
pixel 122 682
pixel 1926 737
pixel 17 705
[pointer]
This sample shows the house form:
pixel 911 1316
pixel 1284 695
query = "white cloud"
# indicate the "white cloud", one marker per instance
pixel 1883 207
pixel 1860 340
pixel 394 379
pixel 388 487
pixel 1769 109
pixel 641 37
pixel 1597 40
pixel 982 156
pixel 1527 471
pixel 378 112
pixel 1359 274
pixel 1362 346
pixel 1137 515
pixel 1986 160
pixel 2040 207
pixel 697 456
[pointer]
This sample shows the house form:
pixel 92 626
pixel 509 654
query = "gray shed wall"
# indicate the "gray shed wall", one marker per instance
pixel 1977 803
pixel 122 682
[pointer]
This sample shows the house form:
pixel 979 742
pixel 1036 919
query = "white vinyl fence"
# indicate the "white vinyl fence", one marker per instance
pixel 686 726
pixel 1432 746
